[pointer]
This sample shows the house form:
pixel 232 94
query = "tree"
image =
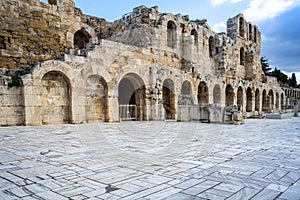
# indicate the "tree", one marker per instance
pixel 265 65
pixel 293 81
pixel 281 77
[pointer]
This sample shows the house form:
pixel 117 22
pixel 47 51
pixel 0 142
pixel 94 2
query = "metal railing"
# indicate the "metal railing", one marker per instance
pixel 127 112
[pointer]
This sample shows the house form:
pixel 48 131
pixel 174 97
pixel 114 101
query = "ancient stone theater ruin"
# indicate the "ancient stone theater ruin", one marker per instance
pixel 59 65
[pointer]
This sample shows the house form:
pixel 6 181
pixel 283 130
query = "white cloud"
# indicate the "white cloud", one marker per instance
pixel 220 2
pixel 219 27
pixel 260 10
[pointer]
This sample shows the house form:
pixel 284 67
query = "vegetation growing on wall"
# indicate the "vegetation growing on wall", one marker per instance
pixel 15 82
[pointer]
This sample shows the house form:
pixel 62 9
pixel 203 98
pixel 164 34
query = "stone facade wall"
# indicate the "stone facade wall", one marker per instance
pixel 146 66
pixel 94 84
pixel 11 106
pixel 33 31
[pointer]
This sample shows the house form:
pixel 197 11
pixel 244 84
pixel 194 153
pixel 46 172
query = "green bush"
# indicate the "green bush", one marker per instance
pixel 15 82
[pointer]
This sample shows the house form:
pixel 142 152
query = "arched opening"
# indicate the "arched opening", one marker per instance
pixel 240 98
pixel 282 101
pixel 265 106
pixel 249 100
pixel 171 38
pixel 255 34
pixel 195 34
pixel 56 98
pixel 96 108
pixel 169 99
pixel 202 93
pixel 242 56
pixel 217 94
pixel 277 101
pixel 2 42
pixel 186 88
pixel 241 27
pixel 81 39
pixel 229 95
pixel 250 31
pixel 271 100
pixel 211 46
pixel 257 100
pixel 52 2
pixel 131 97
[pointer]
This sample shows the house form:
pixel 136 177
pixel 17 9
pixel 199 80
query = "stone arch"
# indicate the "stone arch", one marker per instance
pixel 2 42
pixel 169 99
pixel 217 94
pixel 241 27
pixel 229 100
pixel 211 46
pixel 81 39
pixel 257 100
pixel 240 97
pixel 75 27
pixel 282 101
pixel 202 93
pixel 186 88
pixel 52 2
pixel 277 101
pixel 249 100
pixel 96 101
pixel 131 98
pixel 195 34
pixel 242 56
pixel 271 100
pixel 56 98
pixel 171 34
pixel 255 34
pixel 265 101
pixel 250 31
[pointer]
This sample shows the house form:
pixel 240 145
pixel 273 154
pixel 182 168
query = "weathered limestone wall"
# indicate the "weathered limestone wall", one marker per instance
pixel 11 106
pixel 33 31
pixel 87 88
pixel 198 49
pixel 171 67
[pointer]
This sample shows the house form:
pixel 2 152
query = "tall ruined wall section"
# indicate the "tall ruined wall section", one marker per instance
pixel 245 53
pixel 100 28
pixel 33 31
pixel 197 49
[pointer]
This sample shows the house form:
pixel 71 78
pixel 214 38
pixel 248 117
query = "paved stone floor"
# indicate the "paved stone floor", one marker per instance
pixel 152 160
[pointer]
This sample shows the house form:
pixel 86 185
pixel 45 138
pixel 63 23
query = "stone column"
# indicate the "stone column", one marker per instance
pixel 176 106
pixel 78 105
pixel 113 109
pixel 244 101
pixel 32 101
pixel 260 106
pixel 253 101
pixel 235 98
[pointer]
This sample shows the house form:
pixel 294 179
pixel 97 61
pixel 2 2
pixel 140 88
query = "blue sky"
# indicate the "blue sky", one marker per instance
pixel 278 21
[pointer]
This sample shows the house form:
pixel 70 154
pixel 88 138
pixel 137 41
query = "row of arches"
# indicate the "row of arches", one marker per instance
pixel 56 99
pixel 295 93
pixel 172 38
pixel 252 32
pixel 268 100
